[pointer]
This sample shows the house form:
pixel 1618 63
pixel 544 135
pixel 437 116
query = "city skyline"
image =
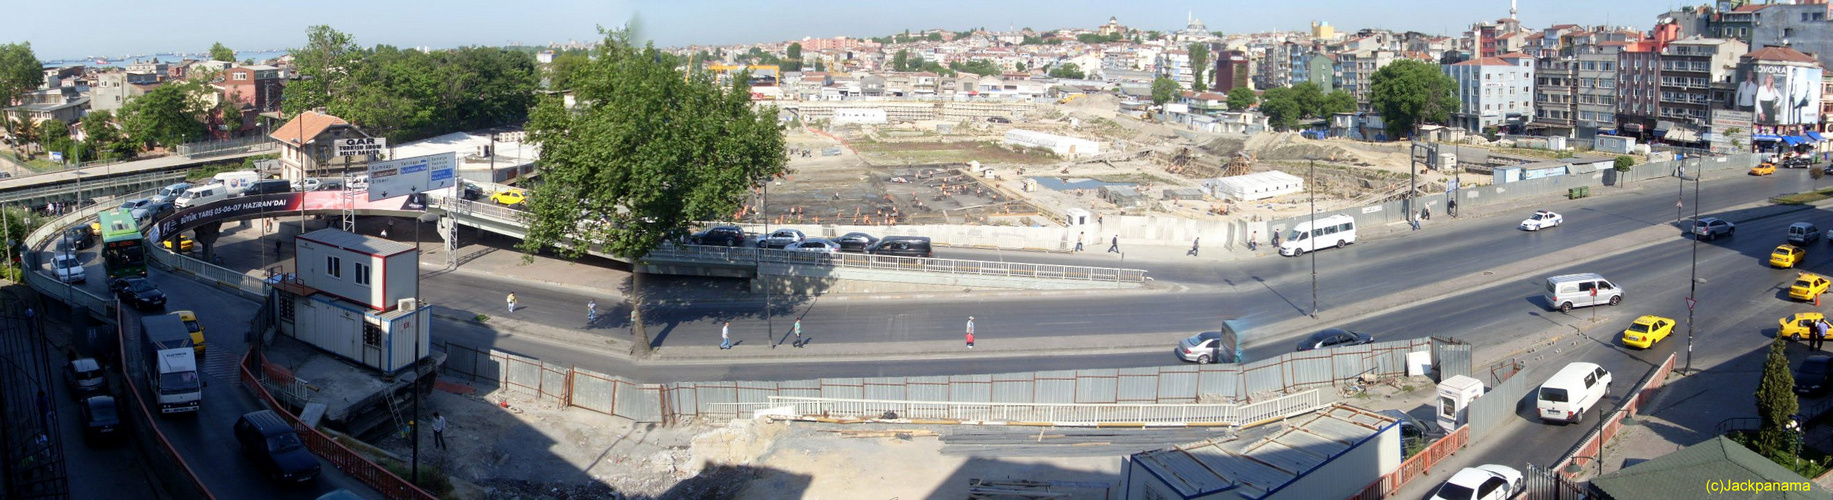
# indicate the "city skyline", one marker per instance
pixel 135 28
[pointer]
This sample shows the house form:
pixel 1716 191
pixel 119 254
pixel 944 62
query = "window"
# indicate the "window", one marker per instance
pixel 239 76
pixel 372 335
pixel 362 273
pixel 334 267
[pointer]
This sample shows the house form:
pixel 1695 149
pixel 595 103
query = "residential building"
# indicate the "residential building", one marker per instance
pixel 308 146
pixel 1555 96
pixel 1275 69
pixel 1175 64
pixel 1639 81
pixel 113 89
pixel 1740 22
pixel 257 86
pixel 1597 87
pixel 1323 31
pixel 1806 27
pixel 1231 71
pixel 1356 68
pixel 155 67
pixel 1320 69
pixel 1690 68
pixel 1492 92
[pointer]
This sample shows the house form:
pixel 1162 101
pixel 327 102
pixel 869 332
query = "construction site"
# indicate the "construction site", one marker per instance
pixel 963 173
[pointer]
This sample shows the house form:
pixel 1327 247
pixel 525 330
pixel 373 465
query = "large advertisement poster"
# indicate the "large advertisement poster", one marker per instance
pixel 283 203
pixel 1779 95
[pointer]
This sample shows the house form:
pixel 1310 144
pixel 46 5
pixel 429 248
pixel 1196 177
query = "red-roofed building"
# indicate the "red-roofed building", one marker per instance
pixel 308 143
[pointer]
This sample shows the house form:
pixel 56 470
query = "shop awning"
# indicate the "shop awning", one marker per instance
pixel 1680 135
pixel 1765 137
pixel 1791 140
pixel 1815 136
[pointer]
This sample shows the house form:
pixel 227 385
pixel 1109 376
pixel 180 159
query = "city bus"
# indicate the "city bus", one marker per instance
pixel 123 247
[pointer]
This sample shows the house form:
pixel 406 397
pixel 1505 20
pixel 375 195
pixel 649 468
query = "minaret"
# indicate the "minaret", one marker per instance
pixel 1511 10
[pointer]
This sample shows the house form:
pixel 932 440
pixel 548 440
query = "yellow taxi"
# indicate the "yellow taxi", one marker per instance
pixel 1646 331
pixel 95 229
pixel 197 329
pixel 1764 168
pixel 509 197
pixel 184 244
pixel 1797 326
pixel 1786 256
pixel 1808 287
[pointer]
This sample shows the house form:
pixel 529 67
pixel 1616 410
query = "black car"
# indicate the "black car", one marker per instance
pixel 1334 337
pixel 78 238
pixel 1811 376
pixel 902 246
pixel 471 192
pixel 138 291
pixel 855 242
pixel 730 236
pixel 274 447
pixel 101 423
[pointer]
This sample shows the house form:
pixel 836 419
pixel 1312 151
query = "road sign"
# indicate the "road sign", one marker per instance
pixel 361 146
pixel 1690 303
pixel 391 178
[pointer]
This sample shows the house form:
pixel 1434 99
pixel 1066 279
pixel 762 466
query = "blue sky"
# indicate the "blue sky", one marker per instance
pixel 119 27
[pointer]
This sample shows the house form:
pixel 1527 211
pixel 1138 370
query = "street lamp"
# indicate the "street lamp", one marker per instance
pixel 1311 189
pixel 419 323
pixel 1693 281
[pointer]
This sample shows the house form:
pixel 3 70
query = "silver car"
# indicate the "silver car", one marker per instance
pixel 781 238
pixel 815 245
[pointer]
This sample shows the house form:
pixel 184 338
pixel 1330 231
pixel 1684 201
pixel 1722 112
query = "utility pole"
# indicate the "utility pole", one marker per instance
pixel 1311 188
pixel 1693 281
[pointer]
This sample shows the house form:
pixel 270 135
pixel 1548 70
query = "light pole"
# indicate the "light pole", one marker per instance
pixel 1693 281
pixel 1311 188
pixel 419 324
pixel 769 324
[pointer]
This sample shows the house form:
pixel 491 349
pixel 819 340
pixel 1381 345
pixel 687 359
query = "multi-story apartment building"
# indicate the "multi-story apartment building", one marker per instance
pixel 1806 27
pixel 1492 92
pixel 1320 69
pixel 1555 95
pixel 255 86
pixel 1231 71
pixel 1356 67
pixel 1690 68
pixel 1639 81
pixel 1597 87
pixel 1175 64
pixel 1276 67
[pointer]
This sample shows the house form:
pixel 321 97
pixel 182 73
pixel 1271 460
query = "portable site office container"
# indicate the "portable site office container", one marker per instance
pixel 381 340
pixel 374 272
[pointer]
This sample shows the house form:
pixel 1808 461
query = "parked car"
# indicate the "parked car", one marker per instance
pixel 1711 228
pixel 1542 219
pixel 1797 162
pixel 138 292
pixel 1646 331
pixel 1797 326
pixel 1811 375
pixel 855 242
pixel 68 268
pixel 1807 287
pixel 101 421
pixel 902 246
pixel 781 238
pixel 274 447
pixel 1787 256
pixel 1483 482
pixel 1803 233
pixel 815 245
pixel 1334 337
pixel 730 236
pixel 84 377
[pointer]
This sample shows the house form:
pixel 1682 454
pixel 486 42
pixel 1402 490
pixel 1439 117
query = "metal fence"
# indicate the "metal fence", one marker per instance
pixel 1548 484
pixel 1058 414
pixel 889 263
pixel 228 146
pixel 354 464
pixel 178 479
pixel 1496 406
pixel 1415 466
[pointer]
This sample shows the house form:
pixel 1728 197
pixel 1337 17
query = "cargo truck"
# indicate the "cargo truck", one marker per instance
pixel 171 364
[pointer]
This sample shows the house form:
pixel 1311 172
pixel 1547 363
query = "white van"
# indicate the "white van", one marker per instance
pixel 1336 230
pixel 1581 290
pixel 200 195
pixel 171 192
pixel 234 183
pixel 1573 391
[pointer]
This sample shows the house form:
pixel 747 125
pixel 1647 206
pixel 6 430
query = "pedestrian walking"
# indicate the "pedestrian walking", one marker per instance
pixel 1115 246
pixel 439 431
pixel 798 328
pixel 512 301
pixel 1194 244
pixel 591 311
pixel 1819 336
pixel 970 332
pixel 725 336
pixel 1079 236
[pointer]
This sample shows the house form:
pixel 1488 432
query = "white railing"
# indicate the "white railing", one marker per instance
pixel 1060 414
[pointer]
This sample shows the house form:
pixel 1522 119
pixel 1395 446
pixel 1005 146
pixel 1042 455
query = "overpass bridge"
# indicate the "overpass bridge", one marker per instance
pixel 103 179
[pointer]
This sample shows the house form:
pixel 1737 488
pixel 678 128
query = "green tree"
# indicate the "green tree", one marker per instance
pixel 323 65
pixel 820 66
pixel 792 57
pixel 1199 60
pixel 1281 107
pixel 646 152
pixel 53 130
pixel 220 52
pixel 20 72
pixel 901 61
pixel 22 128
pixel 1019 66
pixel 1241 98
pixel 166 115
pixel 1164 90
pixel 1623 162
pixel 230 112
pixel 1776 404
pixel 102 137
pixel 980 67
pixel 933 36
pixel 1410 92
pixel 1336 101
pixel 563 72
pixel 1067 71
pixel 1310 98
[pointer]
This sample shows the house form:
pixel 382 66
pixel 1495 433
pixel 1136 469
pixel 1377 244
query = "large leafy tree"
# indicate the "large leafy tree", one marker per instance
pixel 167 115
pixel 1242 98
pixel 324 66
pixel 1164 90
pixel 20 71
pixel 1199 59
pixel 901 60
pixel 1410 92
pixel 1281 107
pixel 220 52
pixel 561 72
pixel 409 94
pixel 792 57
pixel 103 138
pixel 1068 71
pixel 1336 101
pixel 1776 405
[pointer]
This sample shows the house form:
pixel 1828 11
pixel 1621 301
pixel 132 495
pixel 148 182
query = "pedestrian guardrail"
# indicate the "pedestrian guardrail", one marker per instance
pixel 1062 414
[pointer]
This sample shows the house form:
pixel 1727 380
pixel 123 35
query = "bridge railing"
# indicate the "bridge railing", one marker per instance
pixel 890 263
pixel 52 191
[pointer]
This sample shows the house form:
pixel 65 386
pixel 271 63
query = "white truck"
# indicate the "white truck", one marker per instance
pixel 171 364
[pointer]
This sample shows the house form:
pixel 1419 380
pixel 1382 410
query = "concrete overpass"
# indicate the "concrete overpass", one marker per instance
pixel 98 180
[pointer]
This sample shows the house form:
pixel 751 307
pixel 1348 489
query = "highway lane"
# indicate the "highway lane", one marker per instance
pixel 100 470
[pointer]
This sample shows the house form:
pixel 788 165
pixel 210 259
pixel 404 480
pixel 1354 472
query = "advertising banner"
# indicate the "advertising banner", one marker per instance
pixel 361 146
pixel 1778 94
pixel 269 205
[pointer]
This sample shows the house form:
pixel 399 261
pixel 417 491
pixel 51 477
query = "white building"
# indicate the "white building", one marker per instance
pixel 1066 147
pixel 355 296
pixel 1255 186
pixel 1492 92
pixel 867 116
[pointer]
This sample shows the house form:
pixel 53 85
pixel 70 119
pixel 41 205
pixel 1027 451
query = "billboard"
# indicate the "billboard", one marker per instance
pixel 391 178
pixel 268 204
pixel 361 146
pixel 1779 95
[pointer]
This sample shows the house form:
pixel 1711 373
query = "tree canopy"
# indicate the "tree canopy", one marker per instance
pixel 1285 107
pixel 1067 71
pixel 20 71
pixel 220 52
pixel 410 94
pixel 1776 404
pixel 980 67
pixel 167 115
pixel 1242 98
pixel 645 153
pixel 1409 92
pixel 103 138
pixel 1199 59
pixel 1164 90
